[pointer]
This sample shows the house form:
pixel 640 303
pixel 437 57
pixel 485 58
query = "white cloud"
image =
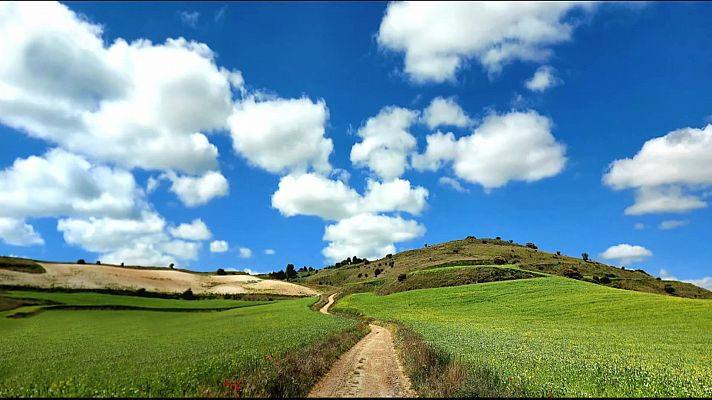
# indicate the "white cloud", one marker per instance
pixel 282 135
pixel 665 170
pixel 386 142
pixel 368 235
pixel 639 226
pixel 652 200
pixel 513 146
pixel 543 79
pixel 453 183
pixel 61 184
pixel 196 230
pixel 117 103
pixel 219 246
pixel 704 282
pixel 672 224
pixel 313 194
pixel 245 252
pixel 195 191
pixel 443 111
pixel 269 252
pixel 438 38
pixel 189 18
pixel 141 241
pixel 626 254
pixel 250 271
pixel 17 233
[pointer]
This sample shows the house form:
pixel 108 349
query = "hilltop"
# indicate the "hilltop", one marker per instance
pixel 442 265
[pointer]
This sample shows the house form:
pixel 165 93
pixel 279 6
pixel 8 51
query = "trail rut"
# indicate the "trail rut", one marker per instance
pixel 369 369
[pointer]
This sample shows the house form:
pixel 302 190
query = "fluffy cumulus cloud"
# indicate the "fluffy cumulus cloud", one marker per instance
pixel 316 195
pixel 219 246
pixel 196 191
pixel 513 146
pixel 386 142
pixel 543 79
pixel 196 230
pixel 626 254
pixel 438 38
pixel 63 184
pixel 139 241
pixel 282 135
pixel 672 224
pixel 442 111
pixel 367 235
pixel 17 233
pixel 666 172
pixel 135 104
pixel 245 252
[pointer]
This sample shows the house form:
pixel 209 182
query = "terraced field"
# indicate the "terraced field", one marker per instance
pixel 137 353
pixel 559 337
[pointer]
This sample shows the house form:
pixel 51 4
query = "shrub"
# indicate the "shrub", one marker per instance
pixel 377 271
pixel 531 245
pixel 359 275
pixel 81 261
pixel 669 289
pixel 141 291
pixel 498 238
pixel 605 279
pixel 122 264
pixel 470 238
pixel 484 242
pixel 221 271
pixel 499 260
pixel 171 266
pixel 658 279
pixel 558 253
pixel 426 245
pixel 596 278
pixel 572 273
pixel 401 277
pixel 511 241
pixel 366 262
pixel 455 251
pixel 188 295
pixel 98 262
pixel 584 256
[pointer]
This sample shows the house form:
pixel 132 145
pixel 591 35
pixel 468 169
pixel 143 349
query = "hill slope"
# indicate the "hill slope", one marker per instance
pixel 90 276
pixel 556 336
pixel 482 251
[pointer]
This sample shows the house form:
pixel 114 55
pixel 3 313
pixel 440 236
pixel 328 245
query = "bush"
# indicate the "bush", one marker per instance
pixel 511 241
pixel 584 256
pixel 531 245
pixel 558 253
pixel 81 261
pixel 499 261
pixel 188 294
pixel 141 291
pixel 221 271
pixel 498 238
pixel 484 242
pixel 389 255
pixel 377 272
pixel 455 251
pixel 98 262
pixel 605 279
pixel 401 277
pixel 359 275
pixel 572 273
pixel 366 262
pixel 122 264
pixel 171 266
pixel 669 289
pixel 470 238
pixel 658 279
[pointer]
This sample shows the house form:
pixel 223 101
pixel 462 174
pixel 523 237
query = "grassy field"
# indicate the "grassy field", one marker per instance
pixel 558 336
pixel 21 265
pixel 153 353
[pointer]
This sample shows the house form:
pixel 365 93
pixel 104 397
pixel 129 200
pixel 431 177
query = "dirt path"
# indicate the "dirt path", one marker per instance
pixel 369 369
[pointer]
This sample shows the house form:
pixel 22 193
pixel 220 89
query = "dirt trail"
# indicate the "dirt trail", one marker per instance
pixel 369 369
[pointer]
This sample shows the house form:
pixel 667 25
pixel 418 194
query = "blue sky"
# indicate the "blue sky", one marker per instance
pixel 611 78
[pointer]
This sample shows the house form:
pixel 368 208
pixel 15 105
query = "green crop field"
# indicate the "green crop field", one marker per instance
pixel 151 353
pixel 561 337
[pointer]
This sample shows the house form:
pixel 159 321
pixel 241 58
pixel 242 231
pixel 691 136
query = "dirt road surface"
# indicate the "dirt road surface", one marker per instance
pixel 369 369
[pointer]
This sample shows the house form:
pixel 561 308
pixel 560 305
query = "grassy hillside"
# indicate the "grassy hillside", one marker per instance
pixel 20 265
pixel 91 353
pixel 481 251
pixel 558 336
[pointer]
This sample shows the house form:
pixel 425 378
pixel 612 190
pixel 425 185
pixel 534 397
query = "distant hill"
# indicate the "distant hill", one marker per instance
pixel 496 259
pixel 19 272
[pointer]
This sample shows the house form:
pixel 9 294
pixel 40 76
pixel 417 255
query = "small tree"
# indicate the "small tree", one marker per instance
pixel 291 272
pixel 188 295
pixel 81 261
pixel 499 260
pixel 98 262
pixel 221 271
pixel 584 256
pixel 558 253
pixel 377 272
pixel 669 289
pixel 605 280
pixel 401 277
pixel 171 266
pixel 498 238
pixel 531 245
pixel 122 264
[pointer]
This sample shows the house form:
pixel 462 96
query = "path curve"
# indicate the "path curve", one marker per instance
pixel 369 369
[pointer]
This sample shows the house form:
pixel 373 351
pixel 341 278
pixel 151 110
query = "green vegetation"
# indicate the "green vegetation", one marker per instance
pixel 272 349
pixel 454 276
pixel 555 336
pixel 21 265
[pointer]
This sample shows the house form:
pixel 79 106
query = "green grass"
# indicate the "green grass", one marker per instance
pixel 61 353
pixel 21 265
pixel 561 337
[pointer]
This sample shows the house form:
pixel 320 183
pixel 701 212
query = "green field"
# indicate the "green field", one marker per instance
pixel 152 353
pixel 560 337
